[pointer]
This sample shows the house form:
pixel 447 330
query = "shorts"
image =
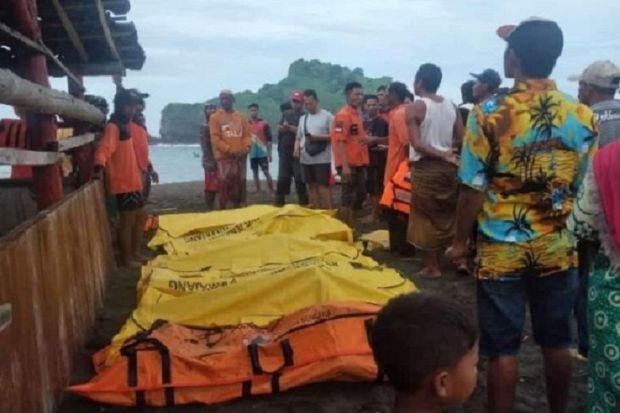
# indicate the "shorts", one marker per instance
pixel 501 311
pixel 354 191
pixel 130 201
pixel 317 174
pixel 376 174
pixel 263 163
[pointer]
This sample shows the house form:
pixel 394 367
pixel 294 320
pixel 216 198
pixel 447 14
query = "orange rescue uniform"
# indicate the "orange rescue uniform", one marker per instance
pixel 398 142
pixel 349 128
pixel 140 138
pixel 230 134
pixel 117 154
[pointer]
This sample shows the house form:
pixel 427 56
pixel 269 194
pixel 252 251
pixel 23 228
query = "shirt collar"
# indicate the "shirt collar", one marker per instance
pixel 534 85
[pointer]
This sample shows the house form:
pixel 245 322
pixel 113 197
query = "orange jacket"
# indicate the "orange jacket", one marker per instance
pixel 117 154
pixel 397 191
pixel 230 134
pixel 140 138
pixel 398 142
pixel 172 364
pixel 349 128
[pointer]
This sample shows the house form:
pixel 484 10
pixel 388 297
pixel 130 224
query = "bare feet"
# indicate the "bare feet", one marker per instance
pixel 429 272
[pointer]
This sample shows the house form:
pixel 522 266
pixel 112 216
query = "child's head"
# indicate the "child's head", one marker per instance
pixel 428 347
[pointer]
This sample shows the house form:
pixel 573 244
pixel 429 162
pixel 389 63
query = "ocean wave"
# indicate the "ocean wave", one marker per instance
pixel 178 145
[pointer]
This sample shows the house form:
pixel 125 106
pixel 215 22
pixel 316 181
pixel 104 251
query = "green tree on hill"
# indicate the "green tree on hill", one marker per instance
pixel 180 122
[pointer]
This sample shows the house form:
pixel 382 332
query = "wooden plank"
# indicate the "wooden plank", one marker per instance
pixel 41 48
pixel 16 91
pixel 53 274
pixel 14 156
pixel 75 141
pixel 70 29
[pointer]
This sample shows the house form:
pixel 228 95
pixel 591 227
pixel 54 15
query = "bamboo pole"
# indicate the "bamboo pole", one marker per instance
pixel 16 91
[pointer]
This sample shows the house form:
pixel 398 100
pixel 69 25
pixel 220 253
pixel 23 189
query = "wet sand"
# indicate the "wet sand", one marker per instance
pixel 321 398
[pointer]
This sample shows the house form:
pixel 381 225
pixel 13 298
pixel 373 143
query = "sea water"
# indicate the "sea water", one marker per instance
pixel 177 163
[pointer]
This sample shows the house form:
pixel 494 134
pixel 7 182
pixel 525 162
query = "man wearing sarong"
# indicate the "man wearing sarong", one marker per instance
pixel 231 140
pixel 435 130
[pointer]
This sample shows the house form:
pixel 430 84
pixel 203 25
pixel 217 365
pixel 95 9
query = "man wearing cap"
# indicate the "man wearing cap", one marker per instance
pixel 524 157
pixel 117 156
pixel 289 166
pixel 231 139
pixel 597 87
pixel 140 138
pixel 485 85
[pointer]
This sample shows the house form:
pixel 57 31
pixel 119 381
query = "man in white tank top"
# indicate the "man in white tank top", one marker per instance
pixel 436 131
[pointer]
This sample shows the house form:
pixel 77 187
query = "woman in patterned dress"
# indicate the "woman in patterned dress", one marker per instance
pixel 596 216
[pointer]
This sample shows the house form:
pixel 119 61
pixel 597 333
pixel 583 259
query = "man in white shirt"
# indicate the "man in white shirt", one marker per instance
pixel 313 147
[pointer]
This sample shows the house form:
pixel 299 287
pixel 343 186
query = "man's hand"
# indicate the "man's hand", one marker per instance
pixel 346 173
pixel 452 157
pixel 369 140
pixel 155 176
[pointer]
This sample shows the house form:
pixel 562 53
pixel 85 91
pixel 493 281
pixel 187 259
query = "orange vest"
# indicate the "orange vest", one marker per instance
pixel 397 192
pixel 173 365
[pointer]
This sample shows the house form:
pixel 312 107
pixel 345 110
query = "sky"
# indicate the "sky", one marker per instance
pixel 195 48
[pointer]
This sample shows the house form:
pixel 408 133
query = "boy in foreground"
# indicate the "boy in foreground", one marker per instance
pixel 428 348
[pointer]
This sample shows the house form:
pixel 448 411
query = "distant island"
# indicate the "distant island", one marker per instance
pixel 180 122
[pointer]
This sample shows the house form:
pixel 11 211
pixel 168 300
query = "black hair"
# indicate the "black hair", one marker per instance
pixel 604 91
pixel 368 97
pixel 467 92
pixel 350 86
pixel 285 106
pixel 311 93
pixel 253 105
pixel 416 334
pixel 429 75
pixel 382 88
pixel 537 45
pixel 399 89
pixel 410 96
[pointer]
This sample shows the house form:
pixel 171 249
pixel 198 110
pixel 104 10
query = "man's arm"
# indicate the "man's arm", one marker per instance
pixel 297 147
pixel 269 137
pixel 107 145
pixel 247 136
pixel 414 115
pixel 458 131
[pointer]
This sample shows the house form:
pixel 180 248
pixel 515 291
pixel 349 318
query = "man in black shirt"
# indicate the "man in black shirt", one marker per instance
pixel 289 166
pixel 377 139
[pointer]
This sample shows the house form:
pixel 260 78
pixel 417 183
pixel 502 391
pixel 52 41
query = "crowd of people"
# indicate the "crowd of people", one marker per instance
pixel 511 174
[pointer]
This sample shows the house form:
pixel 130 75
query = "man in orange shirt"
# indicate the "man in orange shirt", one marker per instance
pixel 350 151
pixel 231 140
pixel 140 137
pixel 117 156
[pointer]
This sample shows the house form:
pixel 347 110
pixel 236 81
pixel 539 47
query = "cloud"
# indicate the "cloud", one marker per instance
pixel 198 47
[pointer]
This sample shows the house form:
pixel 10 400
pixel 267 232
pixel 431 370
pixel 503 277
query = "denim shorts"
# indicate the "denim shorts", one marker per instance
pixel 502 308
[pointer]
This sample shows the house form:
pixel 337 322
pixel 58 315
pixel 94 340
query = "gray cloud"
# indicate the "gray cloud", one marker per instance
pixel 199 47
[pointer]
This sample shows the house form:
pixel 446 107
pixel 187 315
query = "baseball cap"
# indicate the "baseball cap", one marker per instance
pixel 297 95
pixel 489 77
pixel 536 35
pixel 127 97
pixel 602 73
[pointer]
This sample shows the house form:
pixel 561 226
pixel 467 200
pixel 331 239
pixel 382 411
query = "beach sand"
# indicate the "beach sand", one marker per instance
pixel 326 397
